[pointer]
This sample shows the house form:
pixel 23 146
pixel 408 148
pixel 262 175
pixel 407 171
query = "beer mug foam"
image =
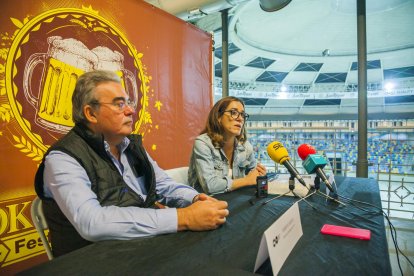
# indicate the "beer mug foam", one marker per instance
pixel 66 60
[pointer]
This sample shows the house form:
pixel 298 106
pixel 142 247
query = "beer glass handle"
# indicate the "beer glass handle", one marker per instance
pixel 33 61
pixel 129 76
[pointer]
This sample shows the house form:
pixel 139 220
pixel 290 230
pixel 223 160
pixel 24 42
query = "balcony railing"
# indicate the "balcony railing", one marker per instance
pixel 390 158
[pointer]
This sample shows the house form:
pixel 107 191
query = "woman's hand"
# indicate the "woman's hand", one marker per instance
pixel 261 169
pixel 252 176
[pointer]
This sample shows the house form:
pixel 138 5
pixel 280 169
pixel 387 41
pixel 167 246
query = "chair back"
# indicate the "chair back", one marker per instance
pixel 40 224
pixel 180 175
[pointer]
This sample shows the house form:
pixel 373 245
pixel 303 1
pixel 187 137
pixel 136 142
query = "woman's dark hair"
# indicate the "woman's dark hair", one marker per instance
pixel 213 127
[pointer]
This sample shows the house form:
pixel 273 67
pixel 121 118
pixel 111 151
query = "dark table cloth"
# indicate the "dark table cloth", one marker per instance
pixel 232 249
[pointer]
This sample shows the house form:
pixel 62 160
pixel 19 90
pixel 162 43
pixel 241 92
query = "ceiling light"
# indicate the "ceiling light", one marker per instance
pixel 273 5
pixel 282 95
pixel 389 86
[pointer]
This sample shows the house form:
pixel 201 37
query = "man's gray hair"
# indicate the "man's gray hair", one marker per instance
pixel 84 91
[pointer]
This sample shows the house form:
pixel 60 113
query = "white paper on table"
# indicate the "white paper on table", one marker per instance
pixel 280 185
pixel 279 239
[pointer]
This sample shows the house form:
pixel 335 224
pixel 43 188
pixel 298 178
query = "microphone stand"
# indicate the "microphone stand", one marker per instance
pixel 317 183
pixel 291 190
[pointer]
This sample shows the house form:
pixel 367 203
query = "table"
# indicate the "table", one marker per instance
pixel 232 249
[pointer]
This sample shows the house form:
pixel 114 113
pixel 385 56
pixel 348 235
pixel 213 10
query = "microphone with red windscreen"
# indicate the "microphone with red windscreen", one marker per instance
pixel 314 163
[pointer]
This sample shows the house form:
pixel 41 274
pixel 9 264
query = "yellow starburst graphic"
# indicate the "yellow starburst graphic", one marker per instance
pixel 158 105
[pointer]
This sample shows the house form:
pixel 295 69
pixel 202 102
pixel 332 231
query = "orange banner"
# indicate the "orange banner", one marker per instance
pixel 165 65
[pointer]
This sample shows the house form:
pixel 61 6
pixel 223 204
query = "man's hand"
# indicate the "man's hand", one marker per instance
pixel 204 214
pixel 203 197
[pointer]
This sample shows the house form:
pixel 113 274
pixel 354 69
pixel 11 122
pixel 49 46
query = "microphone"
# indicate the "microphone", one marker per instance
pixel 279 154
pixel 314 163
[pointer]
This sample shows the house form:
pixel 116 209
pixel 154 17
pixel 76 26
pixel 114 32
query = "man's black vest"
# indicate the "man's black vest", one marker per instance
pixel 106 182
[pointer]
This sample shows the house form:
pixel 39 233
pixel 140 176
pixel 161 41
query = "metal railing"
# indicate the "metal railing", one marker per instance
pixel 391 159
pixel 407 83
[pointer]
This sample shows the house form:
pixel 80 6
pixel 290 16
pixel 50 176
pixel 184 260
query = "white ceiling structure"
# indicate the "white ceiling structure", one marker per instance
pixel 300 62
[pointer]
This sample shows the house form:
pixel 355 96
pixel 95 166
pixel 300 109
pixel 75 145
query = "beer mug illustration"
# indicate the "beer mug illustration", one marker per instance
pixel 114 61
pixel 64 62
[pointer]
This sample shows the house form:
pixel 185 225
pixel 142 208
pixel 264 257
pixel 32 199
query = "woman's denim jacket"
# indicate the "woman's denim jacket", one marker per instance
pixel 209 166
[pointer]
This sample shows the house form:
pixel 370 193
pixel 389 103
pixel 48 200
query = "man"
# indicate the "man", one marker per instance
pixel 98 182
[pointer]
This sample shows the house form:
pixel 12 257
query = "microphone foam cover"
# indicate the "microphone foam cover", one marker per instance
pixel 277 152
pixel 304 150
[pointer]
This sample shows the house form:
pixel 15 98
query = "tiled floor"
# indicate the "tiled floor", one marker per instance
pixel 405 237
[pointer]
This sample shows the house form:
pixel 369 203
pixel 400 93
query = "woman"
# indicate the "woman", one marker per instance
pixel 222 159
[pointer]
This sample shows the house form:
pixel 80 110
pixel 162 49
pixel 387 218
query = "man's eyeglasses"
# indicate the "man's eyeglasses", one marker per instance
pixel 120 105
pixel 235 114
